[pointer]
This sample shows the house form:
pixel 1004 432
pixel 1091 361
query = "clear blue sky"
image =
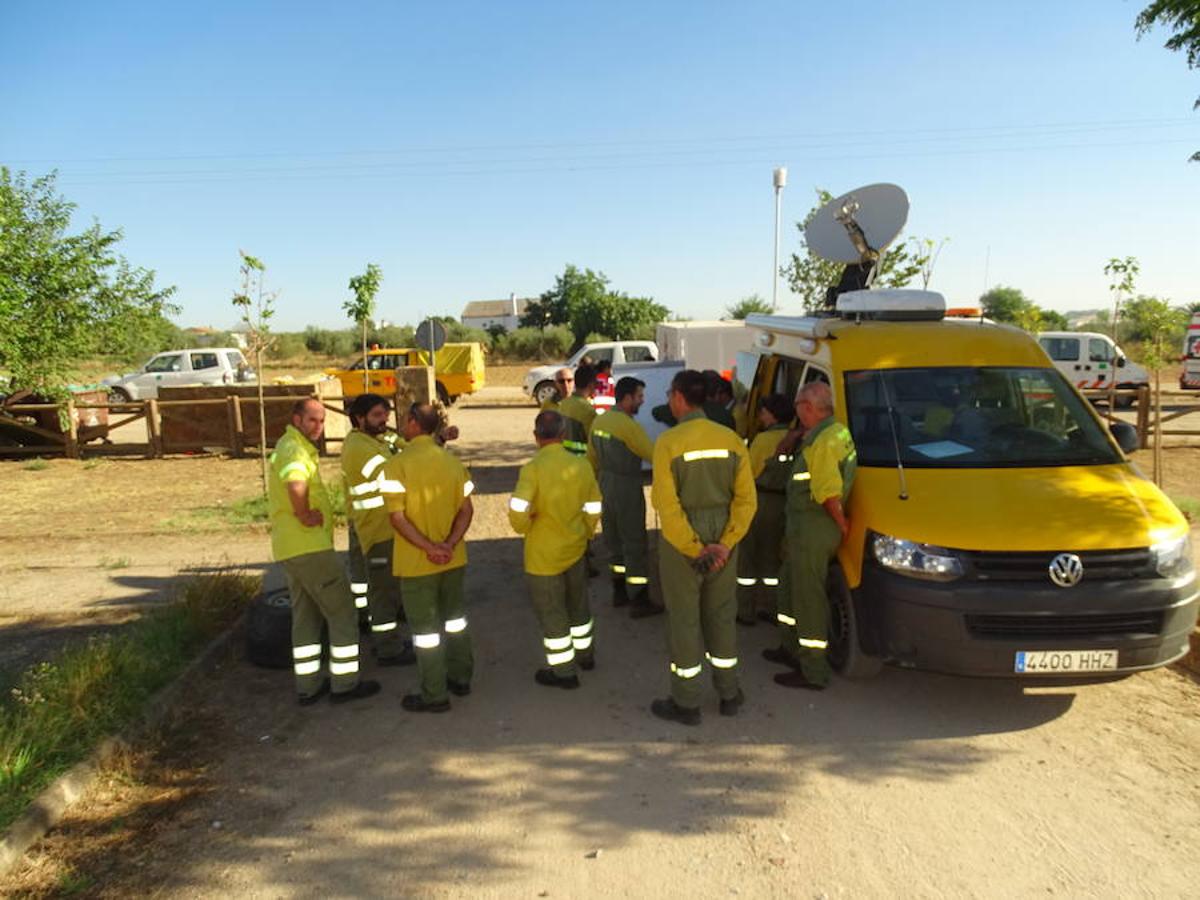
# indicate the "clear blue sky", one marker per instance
pixel 473 149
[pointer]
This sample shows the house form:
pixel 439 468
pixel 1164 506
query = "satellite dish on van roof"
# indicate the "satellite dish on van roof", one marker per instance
pixel 859 225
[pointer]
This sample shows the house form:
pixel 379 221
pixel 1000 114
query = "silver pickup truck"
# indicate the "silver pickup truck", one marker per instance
pixel 175 368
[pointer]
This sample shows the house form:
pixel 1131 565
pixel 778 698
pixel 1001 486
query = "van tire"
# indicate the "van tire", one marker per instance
pixel 846 654
pixel 269 630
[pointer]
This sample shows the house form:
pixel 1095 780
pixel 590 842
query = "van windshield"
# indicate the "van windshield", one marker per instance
pixel 972 418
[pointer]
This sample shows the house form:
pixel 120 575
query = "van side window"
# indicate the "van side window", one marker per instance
pixel 204 361
pixel 1098 350
pixel 1061 349
pixel 637 354
pixel 173 363
pixel 600 353
pixel 815 373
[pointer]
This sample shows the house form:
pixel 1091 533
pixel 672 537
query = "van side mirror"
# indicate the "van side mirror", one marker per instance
pixel 1126 436
pixel 1120 362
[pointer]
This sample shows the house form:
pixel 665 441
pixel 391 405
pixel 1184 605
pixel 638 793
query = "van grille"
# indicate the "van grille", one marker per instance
pixel 1098 565
pixel 1122 625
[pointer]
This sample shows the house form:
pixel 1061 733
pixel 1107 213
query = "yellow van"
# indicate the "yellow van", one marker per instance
pixel 458 370
pixel 996 525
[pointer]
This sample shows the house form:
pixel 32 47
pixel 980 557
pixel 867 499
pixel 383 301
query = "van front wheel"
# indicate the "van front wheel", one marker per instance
pixel 846 654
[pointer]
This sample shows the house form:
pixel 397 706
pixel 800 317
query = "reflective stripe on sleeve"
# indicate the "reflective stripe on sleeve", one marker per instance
pixel 516 504
pixel 596 432
pixel 343 668
pixel 426 641
pixel 592 507
pixel 785 619
pixel 686 672
pixel 372 464
pixel 383 626
pixel 390 486
pixel 575 446
pixel 454 626
pixel 722 662
pixel 368 503
pixel 468 488
pixel 343 651
pixel 306 651
pixel 311 667
pixel 293 467
pixel 693 455
pixel 636 580
pixel 813 644
pixel 364 487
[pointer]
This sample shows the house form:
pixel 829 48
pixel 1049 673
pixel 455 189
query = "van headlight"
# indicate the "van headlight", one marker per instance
pixel 1173 558
pixel 916 560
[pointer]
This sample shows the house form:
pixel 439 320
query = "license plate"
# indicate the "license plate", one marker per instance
pixel 1050 662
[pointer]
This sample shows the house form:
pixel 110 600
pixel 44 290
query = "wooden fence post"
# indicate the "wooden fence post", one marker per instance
pixel 237 438
pixel 1143 415
pixel 72 435
pixel 153 429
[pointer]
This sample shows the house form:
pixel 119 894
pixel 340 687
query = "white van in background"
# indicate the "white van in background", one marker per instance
pixel 1091 361
pixel 1189 378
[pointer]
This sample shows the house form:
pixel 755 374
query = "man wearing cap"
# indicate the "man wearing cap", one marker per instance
pixel 822 477
pixel 302 541
pixel 556 506
pixel 617 447
pixel 704 493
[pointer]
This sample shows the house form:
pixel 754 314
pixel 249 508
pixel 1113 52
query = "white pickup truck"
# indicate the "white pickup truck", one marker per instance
pixel 175 368
pixel 539 382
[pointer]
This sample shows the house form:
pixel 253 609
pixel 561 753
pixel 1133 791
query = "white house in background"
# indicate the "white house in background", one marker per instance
pixel 485 313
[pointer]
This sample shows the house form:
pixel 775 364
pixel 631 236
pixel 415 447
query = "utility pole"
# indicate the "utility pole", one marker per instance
pixel 780 179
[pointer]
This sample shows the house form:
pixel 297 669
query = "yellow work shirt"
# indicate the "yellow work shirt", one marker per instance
pixel 701 476
pixel 617 425
pixel 829 461
pixel 428 484
pixel 580 414
pixel 556 506
pixel 363 459
pixel 764 446
pixel 296 459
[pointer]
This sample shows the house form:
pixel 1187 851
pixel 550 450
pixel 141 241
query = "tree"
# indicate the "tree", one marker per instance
pixel 1122 275
pixel 1009 304
pixel 1182 17
pixel 1053 320
pixel 62 294
pixel 811 277
pixel 582 301
pixel 257 306
pixel 1160 328
pixel 748 306
pixel 361 307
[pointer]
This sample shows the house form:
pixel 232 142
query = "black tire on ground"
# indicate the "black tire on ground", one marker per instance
pixel 846 654
pixel 543 392
pixel 269 630
pixel 119 395
pixel 1125 401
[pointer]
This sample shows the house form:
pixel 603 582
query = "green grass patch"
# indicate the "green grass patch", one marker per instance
pixel 248 511
pixel 59 711
pixel 1189 506
pixel 114 562
pixel 36 465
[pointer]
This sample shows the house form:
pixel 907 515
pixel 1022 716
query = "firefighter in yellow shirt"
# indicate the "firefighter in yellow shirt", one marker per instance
pixel 302 541
pixel 761 554
pixel 617 447
pixel 427 492
pixel 578 411
pixel 564 384
pixel 365 451
pixel 556 506
pixel 704 493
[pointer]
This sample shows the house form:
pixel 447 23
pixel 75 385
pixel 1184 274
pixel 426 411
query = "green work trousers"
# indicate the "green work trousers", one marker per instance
pixel 701 621
pixel 624 522
pixel 561 604
pixel 383 600
pixel 321 596
pixel 359 583
pixel 761 557
pixel 803 602
pixel 434 604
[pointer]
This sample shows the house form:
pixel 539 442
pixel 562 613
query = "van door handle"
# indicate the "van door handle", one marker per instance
pixel 1078 367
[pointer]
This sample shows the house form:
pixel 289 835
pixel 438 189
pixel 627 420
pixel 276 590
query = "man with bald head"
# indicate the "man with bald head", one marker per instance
pixel 564 385
pixel 822 476
pixel 302 542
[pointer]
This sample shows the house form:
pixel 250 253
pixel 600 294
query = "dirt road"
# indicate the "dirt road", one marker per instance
pixel 909 784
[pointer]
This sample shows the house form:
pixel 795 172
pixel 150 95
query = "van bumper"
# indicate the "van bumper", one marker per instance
pixel 973 628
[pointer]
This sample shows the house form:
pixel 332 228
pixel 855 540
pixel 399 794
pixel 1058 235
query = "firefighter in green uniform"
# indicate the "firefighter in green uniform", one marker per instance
pixel 578 411
pixel 427 492
pixel 364 453
pixel 617 447
pixel 302 541
pixel 760 556
pixel 556 505
pixel 704 493
pixel 822 477
pixel 360 584
pixel 564 384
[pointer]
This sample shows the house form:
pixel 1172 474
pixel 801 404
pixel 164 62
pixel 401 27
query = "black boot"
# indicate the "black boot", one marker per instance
pixel 641 605
pixel 668 709
pixel 620 594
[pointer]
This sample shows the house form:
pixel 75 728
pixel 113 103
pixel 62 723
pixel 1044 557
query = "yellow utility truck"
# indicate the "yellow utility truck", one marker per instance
pixel 997 526
pixel 458 370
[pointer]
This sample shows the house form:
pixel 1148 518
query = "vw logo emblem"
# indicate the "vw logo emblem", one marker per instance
pixel 1066 570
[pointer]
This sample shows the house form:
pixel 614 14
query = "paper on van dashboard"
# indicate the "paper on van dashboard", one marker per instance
pixel 941 449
